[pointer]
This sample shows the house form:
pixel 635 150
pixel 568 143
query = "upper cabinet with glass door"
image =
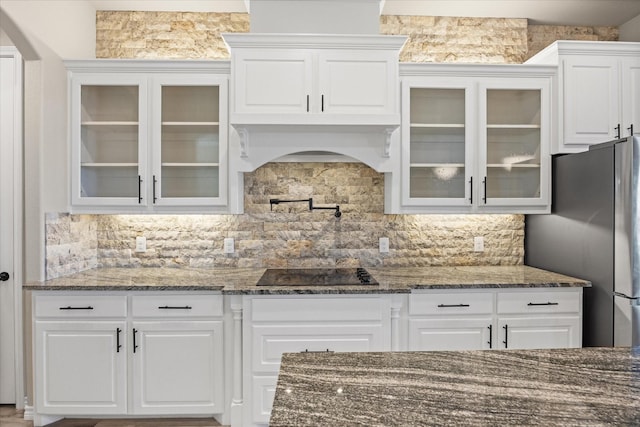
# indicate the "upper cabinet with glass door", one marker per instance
pixel 189 141
pixel 514 148
pixel 439 149
pixel 474 138
pixel 108 140
pixel 148 136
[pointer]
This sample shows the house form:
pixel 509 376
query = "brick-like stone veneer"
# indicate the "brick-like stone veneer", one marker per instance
pixel 71 243
pixel 290 235
pixel 122 34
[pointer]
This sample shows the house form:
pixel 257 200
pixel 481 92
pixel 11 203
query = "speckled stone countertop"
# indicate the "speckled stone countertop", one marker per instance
pixel 243 280
pixel 560 387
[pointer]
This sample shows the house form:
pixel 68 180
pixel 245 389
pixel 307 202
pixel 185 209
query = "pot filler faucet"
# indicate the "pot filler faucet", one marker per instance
pixel 337 214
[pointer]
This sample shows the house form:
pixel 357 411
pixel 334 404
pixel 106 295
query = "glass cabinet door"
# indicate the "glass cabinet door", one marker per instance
pixel 514 161
pixel 108 143
pixel 190 162
pixel 438 149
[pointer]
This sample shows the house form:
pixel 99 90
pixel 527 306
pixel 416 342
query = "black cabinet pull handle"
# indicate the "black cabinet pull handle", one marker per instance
pixel 490 336
pixel 168 307
pixel 154 189
pixel 317 351
pixel 322 103
pixel 76 308
pixel 471 190
pixel 543 303
pixel 452 305
pixel 617 129
pixel 506 336
pixel 139 189
pixel 307 103
pixel 630 129
pixel 484 196
pixel 135 346
pixel 118 345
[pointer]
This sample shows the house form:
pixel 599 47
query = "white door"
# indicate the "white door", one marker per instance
pixel 539 332
pixel 177 367
pixel 80 367
pixel 10 137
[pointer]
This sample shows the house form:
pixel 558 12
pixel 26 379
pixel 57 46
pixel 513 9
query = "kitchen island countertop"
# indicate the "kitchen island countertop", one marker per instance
pixel 243 280
pixel 561 387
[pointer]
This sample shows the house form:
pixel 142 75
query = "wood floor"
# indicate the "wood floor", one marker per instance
pixel 10 417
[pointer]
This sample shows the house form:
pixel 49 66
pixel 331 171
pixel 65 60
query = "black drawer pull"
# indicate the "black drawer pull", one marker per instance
pixel 543 303
pixel 76 308
pixel 169 307
pixel 317 351
pixel 135 346
pixel 452 305
pixel 490 336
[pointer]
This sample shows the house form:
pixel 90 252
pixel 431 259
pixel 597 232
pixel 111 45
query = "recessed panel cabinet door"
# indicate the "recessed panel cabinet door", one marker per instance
pixel 353 85
pixel 177 367
pixel 272 82
pixel 80 367
pixel 537 333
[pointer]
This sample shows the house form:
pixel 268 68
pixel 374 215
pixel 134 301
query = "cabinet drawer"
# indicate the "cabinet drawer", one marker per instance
pixel 271 341
pixel 169 306
pixel 538 302
pixel 451 303
pixel 75 306
pixel 318 309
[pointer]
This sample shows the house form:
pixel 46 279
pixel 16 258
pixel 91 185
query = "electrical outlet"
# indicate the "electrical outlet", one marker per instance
pixel 229 246
pixel 141 244
pixel 383 244
pixel 478 244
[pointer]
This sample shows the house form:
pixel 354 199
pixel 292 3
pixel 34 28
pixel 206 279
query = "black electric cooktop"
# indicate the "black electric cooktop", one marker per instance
pixel 316 277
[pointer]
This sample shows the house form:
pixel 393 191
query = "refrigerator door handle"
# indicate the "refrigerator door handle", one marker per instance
pixel 620 294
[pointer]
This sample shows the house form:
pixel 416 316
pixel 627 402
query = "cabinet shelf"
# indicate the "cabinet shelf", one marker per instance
pixel 436 165
pixel 109 123
pixel 437 125
pixel 109 165
pixel 190 123
pixel 193 165
pixel 513 165
pixel 496 126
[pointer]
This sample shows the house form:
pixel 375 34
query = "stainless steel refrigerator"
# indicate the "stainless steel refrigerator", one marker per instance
pixel 593 233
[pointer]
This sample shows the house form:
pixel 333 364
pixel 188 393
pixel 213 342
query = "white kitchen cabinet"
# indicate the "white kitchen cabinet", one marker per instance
pixel 148 136
pixel 80 367
pixel 273 325
pixel 177 367
pixel 128 354
pixel 489 319
pixel 80 354
pixel 597 91
pixel 474 139
pixel 531 320
pixel 282 79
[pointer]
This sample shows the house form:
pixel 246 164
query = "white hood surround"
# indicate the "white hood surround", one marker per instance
pixel 335 90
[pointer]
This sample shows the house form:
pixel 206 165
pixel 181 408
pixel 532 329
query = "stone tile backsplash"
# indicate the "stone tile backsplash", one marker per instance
pixel 290 235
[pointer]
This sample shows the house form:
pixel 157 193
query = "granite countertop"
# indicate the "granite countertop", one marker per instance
pixel 243 280
pixel 560 387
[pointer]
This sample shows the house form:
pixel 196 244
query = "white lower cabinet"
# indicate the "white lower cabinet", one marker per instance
pixel 489 319
pixel 79 368
pixel 177 367
pixel 288 324
pixel 127 354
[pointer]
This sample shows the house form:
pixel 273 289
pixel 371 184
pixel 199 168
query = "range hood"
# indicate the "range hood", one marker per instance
pixel 313 92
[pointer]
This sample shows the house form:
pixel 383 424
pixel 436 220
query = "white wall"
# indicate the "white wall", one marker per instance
pixel 45 32
pixel 4 39
pixel 630 30
pixel 68 28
